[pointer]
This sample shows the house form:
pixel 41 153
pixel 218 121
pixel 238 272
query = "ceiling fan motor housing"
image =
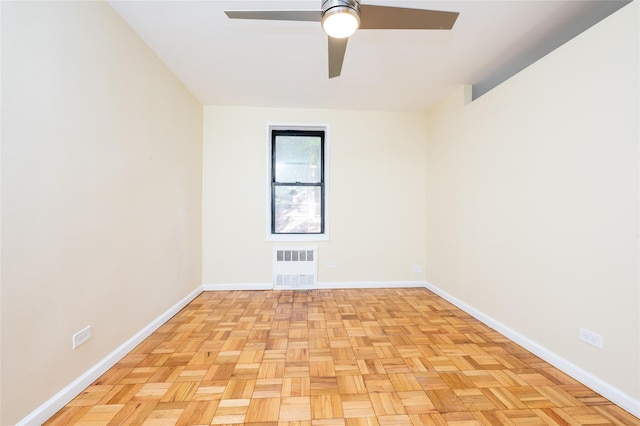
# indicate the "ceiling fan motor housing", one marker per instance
pixel 351 4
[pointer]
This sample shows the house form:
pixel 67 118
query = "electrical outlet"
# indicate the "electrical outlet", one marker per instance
pixel 417 268
pixel 590 337
pixel 81 336
pixel 332 264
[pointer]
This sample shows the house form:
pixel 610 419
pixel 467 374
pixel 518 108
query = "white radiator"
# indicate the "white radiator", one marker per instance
pixel 295 268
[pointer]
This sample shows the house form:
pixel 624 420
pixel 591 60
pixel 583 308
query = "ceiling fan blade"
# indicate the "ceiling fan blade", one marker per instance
pixel 399 18
pixel 337 48
pixel 277 15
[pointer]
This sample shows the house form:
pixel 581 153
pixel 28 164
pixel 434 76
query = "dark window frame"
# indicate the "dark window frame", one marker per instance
pixel 321 184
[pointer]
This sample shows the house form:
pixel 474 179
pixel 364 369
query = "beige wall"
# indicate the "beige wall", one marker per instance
pixel 101 187
pixel 376 194
pixel 532 201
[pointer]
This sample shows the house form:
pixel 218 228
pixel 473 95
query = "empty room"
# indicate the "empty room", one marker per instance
pixel 222 212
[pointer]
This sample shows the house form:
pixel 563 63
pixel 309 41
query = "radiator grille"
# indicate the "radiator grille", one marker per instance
pixel 295 268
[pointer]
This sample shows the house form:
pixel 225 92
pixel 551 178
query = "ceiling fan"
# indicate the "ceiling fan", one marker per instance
pixel 341 18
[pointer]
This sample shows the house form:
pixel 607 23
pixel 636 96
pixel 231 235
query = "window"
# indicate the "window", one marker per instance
pixel 297 182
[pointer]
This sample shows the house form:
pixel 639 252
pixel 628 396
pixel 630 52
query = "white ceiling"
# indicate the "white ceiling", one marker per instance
pixel 284 64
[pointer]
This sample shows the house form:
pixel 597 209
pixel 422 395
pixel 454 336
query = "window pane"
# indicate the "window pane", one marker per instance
pixel 298 159
pixel 297 209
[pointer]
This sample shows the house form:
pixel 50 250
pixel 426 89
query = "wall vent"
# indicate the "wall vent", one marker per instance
pixel 295 268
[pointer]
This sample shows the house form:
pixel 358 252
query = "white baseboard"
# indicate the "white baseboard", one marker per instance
pixel 237 286
pixel 371 284
pixel 62 398
pixel 321 285
pixel 605 389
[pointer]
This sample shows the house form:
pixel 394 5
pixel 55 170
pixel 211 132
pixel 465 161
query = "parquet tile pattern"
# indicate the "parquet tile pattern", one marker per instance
pixel 333 357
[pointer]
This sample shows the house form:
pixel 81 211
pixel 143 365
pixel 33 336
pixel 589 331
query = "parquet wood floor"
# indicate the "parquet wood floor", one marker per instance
pixel 333 357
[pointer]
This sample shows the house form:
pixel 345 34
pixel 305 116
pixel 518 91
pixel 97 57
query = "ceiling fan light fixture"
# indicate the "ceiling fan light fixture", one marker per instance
pixel 341 20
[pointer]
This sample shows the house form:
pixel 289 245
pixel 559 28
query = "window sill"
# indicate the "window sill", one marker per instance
pixel 297 237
